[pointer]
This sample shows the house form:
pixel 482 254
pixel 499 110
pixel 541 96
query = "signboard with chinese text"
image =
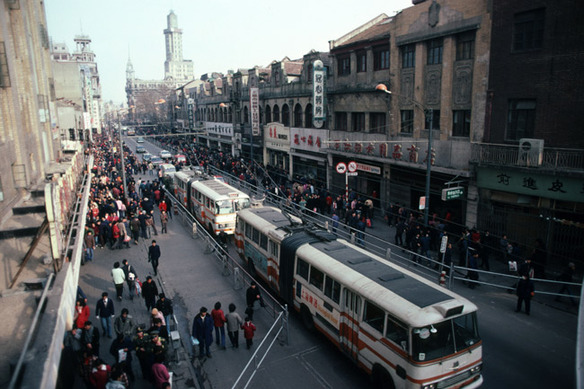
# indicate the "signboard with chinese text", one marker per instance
pixel 254 105
pixel 452 193
pixel 532 184
pixel 219 129
pixel 277 137
pixel 368 168
pixel 309 139
pixel 318 106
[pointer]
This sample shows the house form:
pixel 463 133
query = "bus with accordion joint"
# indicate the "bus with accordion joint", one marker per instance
pixel 401 329
pixel 213 202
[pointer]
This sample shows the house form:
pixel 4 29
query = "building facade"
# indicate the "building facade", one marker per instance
pixel 29 140
pixel 78 89
pixel 530 164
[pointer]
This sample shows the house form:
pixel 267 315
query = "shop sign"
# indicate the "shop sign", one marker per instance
pixel 318 82
pixel 308 139
pixel 254 101
pixel 223 129
pixel 531 183
pixel 277 137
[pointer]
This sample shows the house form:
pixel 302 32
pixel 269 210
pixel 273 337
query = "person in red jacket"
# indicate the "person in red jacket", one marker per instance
pixel 100 374
pixel 219 323
pixel 248 331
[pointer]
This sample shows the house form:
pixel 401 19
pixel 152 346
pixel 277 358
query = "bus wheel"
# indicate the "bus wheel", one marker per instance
pixel 307 318
pixel 381 378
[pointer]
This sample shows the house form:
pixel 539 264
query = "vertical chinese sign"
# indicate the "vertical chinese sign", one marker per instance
pixel 254 103
pixel 318 106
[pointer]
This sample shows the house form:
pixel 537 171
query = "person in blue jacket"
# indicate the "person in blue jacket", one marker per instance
pixel 203 332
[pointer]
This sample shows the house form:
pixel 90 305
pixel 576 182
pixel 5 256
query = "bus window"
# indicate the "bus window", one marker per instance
pixel 374 316
pixel 273 249
pixel 316 277
pixel 332 289
pixel 248 230
pixel 208 202
pixel 352 302
pixel 302 269
pixel 465 331
pixel 397 333
pixel 223 207
pixel 241 204
pixel 256 236
pixel 433 342
pixel 264 242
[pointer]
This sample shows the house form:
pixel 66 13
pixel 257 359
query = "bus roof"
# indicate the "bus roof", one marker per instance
pixel 271 221
pixel 218 190
pixel 406 295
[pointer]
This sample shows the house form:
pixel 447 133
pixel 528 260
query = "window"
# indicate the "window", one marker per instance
pixel 374 316
pixel 380 58
pixel 274 251
pixel 520 119
pixel 408 56
pixel 341 121
pixel 344 65
pixel 465 46
pixel 276 113
pixel 310 74
pixel 316 277
pixel 256 236
pixel 435 47
pixel 407 121
pixel 361 61
pixel 358 121
pixel 264 242
pixel 397 332
pixel 377 122
pixel 268 114
pixel 332 289
pixel 297 115
pixel 528 30
pixel 285 115
pixel 308 116
pixel 302 269
pixel 245 115
pixel 435 115
pixel 461 123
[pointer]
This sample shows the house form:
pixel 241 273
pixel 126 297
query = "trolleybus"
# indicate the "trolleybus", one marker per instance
pixel 403 330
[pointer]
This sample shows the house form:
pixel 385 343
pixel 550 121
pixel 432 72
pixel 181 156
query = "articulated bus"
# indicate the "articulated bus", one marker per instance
pixel 214 204
pixel 403 330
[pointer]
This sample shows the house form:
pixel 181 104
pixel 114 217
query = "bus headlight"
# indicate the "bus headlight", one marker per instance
pixel 429 386
pixel 477 369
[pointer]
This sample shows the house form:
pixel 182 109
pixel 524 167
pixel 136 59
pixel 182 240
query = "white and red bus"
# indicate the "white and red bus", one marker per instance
pixel 214 204
pixel 403 330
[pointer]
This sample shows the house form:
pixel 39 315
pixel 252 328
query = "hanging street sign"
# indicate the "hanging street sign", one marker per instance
pixel 452 193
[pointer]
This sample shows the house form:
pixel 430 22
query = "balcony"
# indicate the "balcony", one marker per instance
pixel 552 159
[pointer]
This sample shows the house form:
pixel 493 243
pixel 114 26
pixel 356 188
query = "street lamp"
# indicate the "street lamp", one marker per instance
pixel 429 113
pixel 122 158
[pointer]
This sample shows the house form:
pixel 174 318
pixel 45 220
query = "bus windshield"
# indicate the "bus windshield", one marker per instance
pixel 445 338
pixel 224 207
pixel 241 204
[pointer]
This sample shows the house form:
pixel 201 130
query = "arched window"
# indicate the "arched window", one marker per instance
pixel 276 113
pixel 268 114
pixel 221 115
pixel 230 116
pixel 297 115
pixel 245 115
pixel 262 115
pixel 308 116
pixel 286 115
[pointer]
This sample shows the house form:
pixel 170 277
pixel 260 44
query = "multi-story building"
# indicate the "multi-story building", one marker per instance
pixel 491 85
pixel 77 85
pixel 530 163
pixel 29 141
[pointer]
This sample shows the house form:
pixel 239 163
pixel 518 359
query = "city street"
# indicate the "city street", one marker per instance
pixel 536 351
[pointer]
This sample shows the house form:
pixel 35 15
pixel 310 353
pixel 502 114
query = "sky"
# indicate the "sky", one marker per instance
pixel 218 35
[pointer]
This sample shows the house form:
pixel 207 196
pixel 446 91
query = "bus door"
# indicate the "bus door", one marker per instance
pixel 349 330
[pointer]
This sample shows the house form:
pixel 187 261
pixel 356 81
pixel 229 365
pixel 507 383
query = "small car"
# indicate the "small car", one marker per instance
pixel 140 140
pixel 156 160
pixel 146 157
pixel 165 154
pixel 140 149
